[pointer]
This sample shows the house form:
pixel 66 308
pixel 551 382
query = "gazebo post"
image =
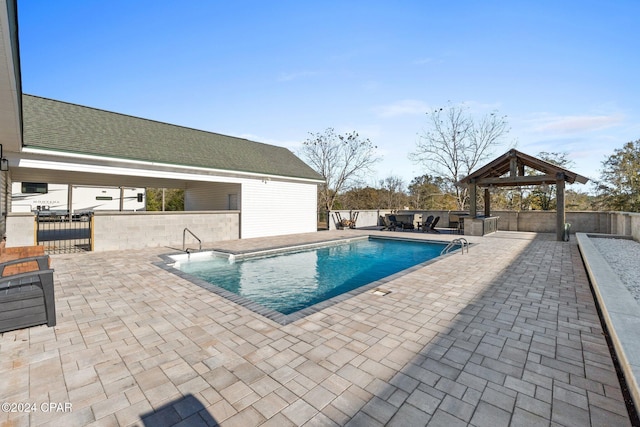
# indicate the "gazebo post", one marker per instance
pixel 487 203
pixel 473 209
pixel 560 215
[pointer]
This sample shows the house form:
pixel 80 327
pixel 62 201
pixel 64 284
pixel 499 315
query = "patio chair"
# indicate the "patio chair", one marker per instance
pixel 432 227
pixel 426 224
pixel 393 223
pixel 26 297
pixel 406 225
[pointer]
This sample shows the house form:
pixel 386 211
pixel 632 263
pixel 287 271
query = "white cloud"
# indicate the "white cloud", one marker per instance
pixel 402 108
pixel 576 124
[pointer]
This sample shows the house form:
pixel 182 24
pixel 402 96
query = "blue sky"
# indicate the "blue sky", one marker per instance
pixel 564 72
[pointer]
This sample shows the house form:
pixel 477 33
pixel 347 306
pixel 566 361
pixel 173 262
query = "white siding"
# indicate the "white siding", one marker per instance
pixel 271 208
pixel 206 196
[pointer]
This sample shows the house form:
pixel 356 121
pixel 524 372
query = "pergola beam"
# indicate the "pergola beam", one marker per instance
pixel 517 180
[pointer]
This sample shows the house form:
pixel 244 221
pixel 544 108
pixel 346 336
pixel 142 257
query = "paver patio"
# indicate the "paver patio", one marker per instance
pixel 505 335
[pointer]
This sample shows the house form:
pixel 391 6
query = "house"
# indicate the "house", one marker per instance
pixel 234 188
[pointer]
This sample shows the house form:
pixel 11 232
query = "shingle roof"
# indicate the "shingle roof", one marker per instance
pixel 65 127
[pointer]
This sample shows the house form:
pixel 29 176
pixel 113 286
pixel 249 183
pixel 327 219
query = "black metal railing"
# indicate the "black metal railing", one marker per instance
pixel 323 220
pixel 61 233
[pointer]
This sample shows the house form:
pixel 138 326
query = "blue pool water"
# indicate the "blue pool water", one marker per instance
pixel 291 281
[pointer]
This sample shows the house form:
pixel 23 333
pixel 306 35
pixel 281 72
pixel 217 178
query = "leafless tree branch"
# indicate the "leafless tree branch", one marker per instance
pixel 454 144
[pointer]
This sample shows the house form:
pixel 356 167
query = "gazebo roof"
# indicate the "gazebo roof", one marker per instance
pixel 509 170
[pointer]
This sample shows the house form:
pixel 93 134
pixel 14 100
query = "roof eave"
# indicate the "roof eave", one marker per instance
pixel 46 153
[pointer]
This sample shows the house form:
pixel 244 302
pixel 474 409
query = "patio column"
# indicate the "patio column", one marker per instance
pixel 473 209
pixel 70 201
pixel 487 202
pixel 560 215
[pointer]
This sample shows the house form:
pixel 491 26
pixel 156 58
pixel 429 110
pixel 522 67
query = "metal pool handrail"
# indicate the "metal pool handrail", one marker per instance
pixel 460 241
pixel 184 235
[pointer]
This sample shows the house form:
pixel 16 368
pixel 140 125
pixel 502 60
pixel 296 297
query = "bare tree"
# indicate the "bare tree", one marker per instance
pixel 454 144
pixel 340 159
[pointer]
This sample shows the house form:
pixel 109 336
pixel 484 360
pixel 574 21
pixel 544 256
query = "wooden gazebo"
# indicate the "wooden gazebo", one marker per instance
pixel 509 170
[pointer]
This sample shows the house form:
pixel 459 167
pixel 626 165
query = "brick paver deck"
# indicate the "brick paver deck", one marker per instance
pixel 505 335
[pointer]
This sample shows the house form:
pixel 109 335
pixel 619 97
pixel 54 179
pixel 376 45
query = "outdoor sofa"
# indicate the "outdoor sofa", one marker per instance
pixel 26 293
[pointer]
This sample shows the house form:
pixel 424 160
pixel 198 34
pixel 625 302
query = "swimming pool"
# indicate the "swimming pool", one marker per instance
pixel 288 281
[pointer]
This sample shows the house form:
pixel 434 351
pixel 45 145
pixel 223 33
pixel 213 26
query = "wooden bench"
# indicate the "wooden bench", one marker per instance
pixel 26 293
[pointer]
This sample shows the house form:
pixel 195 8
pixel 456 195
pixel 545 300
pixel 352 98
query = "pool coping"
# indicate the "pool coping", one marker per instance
pixel 285 319
pixel 620 310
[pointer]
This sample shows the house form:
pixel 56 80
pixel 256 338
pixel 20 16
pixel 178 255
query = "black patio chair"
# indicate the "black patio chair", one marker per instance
pixel 432 227
pixel 426 224
pixel 393 223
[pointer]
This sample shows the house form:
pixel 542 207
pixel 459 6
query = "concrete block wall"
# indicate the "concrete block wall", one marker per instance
pixel 473 228
pixel 366 218
pixel 128 230
pixel 589 222
pixel 622 223
pixel 21 229
pixel 536 221
pixel 635 226
pixel 509 221
pixel 370 218
pixel 626 224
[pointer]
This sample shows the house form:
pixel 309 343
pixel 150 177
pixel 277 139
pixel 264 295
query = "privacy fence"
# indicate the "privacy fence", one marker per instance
pixel 623 223
pixel 130 230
